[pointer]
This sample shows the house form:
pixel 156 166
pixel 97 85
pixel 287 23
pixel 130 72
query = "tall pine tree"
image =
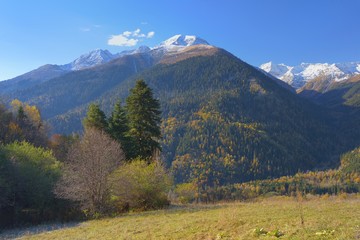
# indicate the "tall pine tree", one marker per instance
pixel 95 118
pixel 144 120
pixel 119 130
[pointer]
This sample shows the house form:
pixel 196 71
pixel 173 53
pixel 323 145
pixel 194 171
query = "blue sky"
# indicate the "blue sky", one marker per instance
pixel 34 33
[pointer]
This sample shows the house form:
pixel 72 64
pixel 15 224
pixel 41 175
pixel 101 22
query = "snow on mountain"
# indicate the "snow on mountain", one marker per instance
pixel 179 41
pixel 275 69
pixel 90 59
pixel 298 76
pixel 98 56
pixel 171 46
pixel 174 44
pixel 141 49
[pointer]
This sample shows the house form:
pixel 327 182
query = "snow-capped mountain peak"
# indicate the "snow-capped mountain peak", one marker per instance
pixel 182 41
pixel 298 76
pixel 171 46
pixel 99 56
pixel 275 69
pixel 266 66
pixel 142 49
pixel 90 59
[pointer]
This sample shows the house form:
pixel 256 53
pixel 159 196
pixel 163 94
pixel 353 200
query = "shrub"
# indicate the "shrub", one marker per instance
pixel 28 175
pixel 185 192
pixel 140 186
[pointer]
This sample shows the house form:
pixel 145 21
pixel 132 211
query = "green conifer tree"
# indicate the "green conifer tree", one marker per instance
pixel 144 120
pixel 95 118
pixel 119 130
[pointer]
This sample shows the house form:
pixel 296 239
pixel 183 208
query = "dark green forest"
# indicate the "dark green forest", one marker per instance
pixel 342 99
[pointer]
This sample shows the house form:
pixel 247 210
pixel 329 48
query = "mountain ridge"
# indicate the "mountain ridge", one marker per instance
pixel 297 76
pixel 95 58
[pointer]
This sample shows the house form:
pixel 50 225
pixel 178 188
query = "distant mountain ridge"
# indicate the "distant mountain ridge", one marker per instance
pixel 37 76
pixel 298 76
pixel 97 57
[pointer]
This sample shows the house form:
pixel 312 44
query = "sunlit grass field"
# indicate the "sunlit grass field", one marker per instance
pixel 271 218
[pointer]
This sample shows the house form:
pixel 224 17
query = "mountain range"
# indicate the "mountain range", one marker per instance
pixel 95 58
pixel 333 86
pixel 300 75
pixel 218 111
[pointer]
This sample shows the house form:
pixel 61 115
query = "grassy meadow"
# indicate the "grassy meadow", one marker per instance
pixel 270 218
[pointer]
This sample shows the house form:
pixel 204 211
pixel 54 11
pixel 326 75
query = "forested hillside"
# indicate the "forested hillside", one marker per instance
pixel 74 89
pixel 223 121
pixel 342 100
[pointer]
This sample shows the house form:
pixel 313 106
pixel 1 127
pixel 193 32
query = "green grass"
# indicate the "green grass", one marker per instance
pixel 323 218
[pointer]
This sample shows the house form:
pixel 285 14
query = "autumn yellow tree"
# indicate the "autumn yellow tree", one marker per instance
pixel 28 124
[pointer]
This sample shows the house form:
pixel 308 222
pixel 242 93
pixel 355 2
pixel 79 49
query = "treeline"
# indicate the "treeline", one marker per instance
pixel 28 169
pixel 345 180
pixel 113 167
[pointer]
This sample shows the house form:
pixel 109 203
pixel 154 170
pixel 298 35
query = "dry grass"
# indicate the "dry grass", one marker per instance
pixel 323 218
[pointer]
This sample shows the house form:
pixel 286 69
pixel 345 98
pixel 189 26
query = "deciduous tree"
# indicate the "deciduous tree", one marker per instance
pixel 85 174
pixel 27 125
pixel 27 177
